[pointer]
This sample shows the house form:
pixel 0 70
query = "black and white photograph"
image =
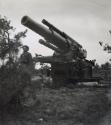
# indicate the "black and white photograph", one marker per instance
pixel 55 62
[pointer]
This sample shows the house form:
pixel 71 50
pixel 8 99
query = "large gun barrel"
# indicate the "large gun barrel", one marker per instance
pixel 49 45
pixel 48 59
pixel 63 34
pixel 50 35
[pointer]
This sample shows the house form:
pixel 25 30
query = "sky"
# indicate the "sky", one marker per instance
pixel 87 21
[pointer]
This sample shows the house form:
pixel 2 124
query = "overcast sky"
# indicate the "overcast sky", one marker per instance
pixel 87 21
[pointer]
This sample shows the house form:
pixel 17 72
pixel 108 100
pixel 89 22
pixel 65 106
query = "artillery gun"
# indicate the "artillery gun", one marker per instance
pixel 68 63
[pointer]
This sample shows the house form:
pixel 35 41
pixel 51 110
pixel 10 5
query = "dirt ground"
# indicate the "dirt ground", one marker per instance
pixel 64 106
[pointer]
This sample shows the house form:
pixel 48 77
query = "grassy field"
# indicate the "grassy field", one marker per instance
pixel 64 106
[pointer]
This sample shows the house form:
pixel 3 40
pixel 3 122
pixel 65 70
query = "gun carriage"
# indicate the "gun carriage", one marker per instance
pixel 68 63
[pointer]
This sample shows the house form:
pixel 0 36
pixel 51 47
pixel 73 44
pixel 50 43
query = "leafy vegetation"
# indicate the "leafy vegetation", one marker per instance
pixel 10 44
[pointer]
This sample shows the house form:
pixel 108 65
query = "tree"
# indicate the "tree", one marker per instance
pixel 106 66
pixel 97 66
pixel 9 44
pixel 106 46
pixel 10 76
